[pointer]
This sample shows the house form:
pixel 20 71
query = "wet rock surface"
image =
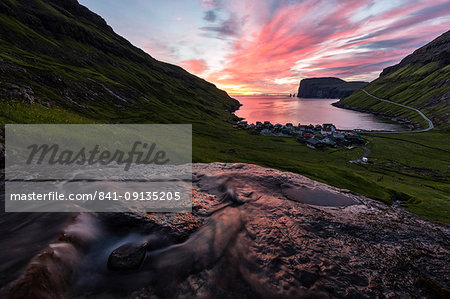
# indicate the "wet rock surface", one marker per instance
pixel 252 234
pixel 128 256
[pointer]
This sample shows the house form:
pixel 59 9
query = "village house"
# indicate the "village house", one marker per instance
pixel 328 141
pixel 242 123
pixel 330 126
pixel 338 135
pixel 328 129
pixel 302 127
pixel 286 132
pixel 297 133
pixel 314 144
pixel 318 136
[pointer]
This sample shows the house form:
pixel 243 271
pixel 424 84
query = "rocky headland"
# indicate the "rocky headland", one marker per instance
pixel 328 87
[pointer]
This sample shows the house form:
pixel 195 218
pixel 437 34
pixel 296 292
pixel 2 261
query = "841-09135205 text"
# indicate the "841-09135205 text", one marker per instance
pixel 102 196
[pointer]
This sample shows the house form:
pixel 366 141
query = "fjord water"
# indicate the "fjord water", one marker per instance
pixel 283 109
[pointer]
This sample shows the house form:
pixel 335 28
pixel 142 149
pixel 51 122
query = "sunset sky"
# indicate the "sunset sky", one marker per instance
pixel 267 46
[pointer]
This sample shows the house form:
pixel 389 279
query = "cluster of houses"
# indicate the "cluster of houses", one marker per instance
pixel 318 136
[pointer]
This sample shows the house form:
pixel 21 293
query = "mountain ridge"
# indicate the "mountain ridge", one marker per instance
pixel 421 80
pixel 435 51
pixel 60 53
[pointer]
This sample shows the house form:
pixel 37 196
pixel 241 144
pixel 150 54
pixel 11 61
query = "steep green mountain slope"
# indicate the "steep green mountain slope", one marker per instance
pixel 57 53
pixel 421 80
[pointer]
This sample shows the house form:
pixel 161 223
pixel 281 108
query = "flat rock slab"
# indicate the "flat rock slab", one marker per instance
pixel 303 238
pixel 292 237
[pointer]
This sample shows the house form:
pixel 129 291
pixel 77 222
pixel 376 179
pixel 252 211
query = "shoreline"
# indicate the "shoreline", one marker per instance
pixel 397 119
pixel 408 124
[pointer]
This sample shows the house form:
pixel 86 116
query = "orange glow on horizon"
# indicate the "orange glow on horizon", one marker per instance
pixel 269 50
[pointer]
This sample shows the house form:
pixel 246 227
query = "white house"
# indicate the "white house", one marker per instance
pixel 328 129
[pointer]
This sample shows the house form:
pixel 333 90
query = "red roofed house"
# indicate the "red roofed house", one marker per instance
pixel 327 130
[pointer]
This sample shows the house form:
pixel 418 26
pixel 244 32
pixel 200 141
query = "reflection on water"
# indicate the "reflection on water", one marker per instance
pixel 283 109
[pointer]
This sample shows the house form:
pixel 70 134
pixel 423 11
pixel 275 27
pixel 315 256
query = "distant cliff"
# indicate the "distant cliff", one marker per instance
pixel 328 87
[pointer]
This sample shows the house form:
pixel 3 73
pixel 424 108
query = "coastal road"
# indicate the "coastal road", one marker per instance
pixel 366 153
pixel 430 123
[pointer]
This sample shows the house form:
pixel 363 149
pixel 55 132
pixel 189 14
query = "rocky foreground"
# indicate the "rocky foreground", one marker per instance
pixel 254 232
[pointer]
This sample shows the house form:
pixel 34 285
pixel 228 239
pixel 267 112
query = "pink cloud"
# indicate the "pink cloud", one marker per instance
pixel 313 38
pixel 196 66
pixel 269 45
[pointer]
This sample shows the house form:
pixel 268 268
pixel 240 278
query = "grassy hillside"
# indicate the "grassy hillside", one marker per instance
pixel 417 165
pixel 421 80
pixel 60 54
pixel 412 168
pixel 74 69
